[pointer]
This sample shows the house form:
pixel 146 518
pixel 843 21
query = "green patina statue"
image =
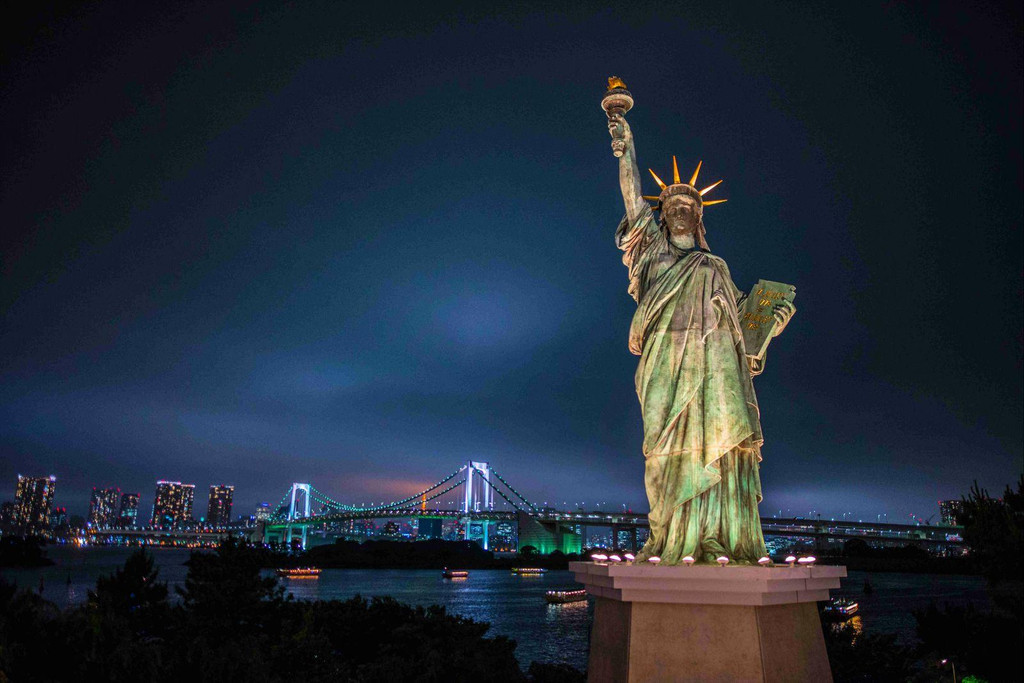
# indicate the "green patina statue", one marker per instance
pixel 702 434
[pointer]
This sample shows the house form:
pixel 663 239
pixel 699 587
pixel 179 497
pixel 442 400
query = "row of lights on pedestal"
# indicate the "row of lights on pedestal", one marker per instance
pixel 688 560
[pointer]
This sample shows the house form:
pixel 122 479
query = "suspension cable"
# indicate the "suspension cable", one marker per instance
pixel 330 502
pixel 510 488
pixel 327 501
pixel 507 500
pixel 324 498
pixel 421 494
pixel 436 495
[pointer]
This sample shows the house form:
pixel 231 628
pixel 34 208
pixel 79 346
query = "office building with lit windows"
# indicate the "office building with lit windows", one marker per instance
pixel 263 512
pixel 103 507
pixel 172 504
pixel 128 515
pixel 8 515
pixel 951 510
pixel 219 511
pixel 59 519
pixel 33 500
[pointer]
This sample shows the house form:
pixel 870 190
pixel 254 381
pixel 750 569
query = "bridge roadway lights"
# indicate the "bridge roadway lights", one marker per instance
pixel 707 623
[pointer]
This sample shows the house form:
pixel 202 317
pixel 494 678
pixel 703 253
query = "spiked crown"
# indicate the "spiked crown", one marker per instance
pixel 678 187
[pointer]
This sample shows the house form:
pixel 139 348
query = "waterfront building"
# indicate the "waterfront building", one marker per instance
pixel 59 519
pixel 103 507
pixel 8 515
pixel 428 528
pixel 33 500
pixel 504 539
pixel 263 512
pixel 172 504
pixel 218 512
pixel 951 511
pixel 451 530
pixel 364 527
pixel 128 516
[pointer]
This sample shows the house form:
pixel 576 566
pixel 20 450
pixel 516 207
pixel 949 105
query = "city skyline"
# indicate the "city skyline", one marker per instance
pixel 280 244
pixel 127 512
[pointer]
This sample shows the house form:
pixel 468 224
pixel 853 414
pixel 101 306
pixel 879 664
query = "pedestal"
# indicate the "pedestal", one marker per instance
pixel 704 623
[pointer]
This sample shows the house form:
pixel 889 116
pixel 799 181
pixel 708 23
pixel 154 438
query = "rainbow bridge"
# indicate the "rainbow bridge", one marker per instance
pixel 469 495
pixel 477 498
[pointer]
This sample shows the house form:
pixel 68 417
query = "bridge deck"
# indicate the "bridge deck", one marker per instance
pixel 772 526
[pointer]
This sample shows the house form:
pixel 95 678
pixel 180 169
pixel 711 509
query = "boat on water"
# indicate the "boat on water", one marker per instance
pixel 529 571
pixel 455 573
pixel 839 609
pixel 299 572
pixel 560 597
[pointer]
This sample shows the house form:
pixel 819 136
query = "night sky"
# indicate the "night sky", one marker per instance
pixel 357 247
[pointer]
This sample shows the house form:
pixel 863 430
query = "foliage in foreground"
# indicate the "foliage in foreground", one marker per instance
pixel 983 645
pixel 232 624
pixel 866 657
pixel 16 551
pixel 994 531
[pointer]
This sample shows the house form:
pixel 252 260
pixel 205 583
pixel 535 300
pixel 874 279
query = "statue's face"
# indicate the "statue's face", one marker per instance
pixel 681 215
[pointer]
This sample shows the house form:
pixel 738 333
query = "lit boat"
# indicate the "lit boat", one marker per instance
pixel 528 571
pixel 299 572
pixel 840 609
pixel 559 597
pixel 455 573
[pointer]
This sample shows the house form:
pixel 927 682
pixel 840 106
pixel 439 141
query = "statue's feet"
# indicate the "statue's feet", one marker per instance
pixel 645 553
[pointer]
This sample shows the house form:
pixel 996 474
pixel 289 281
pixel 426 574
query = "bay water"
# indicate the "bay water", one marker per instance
pixel 514 605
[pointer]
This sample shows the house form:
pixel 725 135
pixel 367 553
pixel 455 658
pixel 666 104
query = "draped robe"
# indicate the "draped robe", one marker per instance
pixel 702 433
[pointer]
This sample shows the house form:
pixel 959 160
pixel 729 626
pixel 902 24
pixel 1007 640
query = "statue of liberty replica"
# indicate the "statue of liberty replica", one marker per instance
pixel 694 332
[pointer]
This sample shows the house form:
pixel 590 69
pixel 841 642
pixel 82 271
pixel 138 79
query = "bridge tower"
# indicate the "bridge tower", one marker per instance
pixel 479 497
pixel 296 489
pixel 293 514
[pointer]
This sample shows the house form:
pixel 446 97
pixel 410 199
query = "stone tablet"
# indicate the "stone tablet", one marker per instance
pixel 756 315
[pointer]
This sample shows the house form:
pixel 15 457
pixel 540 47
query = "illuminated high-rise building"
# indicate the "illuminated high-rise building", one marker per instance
pixel 59 519
pixel 505 537
pixel 625 540
pixel 103 507
pixel 428 528
pixel 172 504
pixel 951 511
pixel 263 512
pixel 8 514
pixel 33 500
pixel 128 515
pixel 219 511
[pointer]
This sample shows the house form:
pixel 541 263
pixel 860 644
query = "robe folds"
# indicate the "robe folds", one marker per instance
pixel 702 432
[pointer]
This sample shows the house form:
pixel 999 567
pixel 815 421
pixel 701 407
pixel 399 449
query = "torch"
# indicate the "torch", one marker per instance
pixel 617 101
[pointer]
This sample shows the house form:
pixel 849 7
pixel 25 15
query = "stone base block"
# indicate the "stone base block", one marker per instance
pixel 707 623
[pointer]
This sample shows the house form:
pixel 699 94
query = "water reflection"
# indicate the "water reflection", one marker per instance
pixel 854 624
pixel 513 605
pixel 577 609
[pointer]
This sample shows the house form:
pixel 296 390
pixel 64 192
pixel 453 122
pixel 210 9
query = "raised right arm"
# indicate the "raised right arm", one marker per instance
pixel 629 172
